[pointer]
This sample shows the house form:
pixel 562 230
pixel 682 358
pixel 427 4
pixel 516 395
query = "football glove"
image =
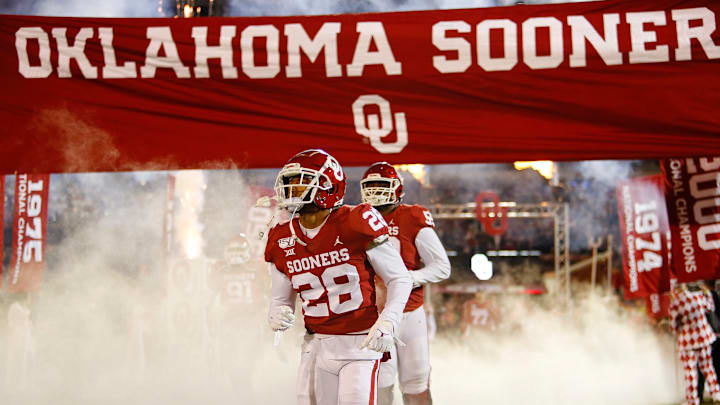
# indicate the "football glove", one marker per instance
pixel 281 318
pixel 414 278
pixel 380 337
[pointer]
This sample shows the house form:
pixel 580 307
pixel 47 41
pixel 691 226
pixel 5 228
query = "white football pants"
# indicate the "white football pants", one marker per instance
pixel 412 362
pixel 334 371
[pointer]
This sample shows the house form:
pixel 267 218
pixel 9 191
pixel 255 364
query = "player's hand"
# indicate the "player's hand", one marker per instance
pixel 380 337
pixel 281 318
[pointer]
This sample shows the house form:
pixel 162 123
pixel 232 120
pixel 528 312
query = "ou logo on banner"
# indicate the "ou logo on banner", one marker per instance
pixel 483 213
pixel 377 127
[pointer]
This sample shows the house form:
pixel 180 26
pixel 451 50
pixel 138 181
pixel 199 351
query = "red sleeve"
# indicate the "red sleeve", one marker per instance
pixel 367 223
pixel 422 216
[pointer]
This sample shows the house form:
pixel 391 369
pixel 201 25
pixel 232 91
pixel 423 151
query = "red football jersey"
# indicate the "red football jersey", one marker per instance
pixel 330 274
pixel 480 315
pixel 404 223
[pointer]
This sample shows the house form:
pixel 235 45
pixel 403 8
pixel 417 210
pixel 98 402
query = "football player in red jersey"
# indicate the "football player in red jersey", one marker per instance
pixel 322 254
pixel 479 313
pixel 240 286
pixel 412 233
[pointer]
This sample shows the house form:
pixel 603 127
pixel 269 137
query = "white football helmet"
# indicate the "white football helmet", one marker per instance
pixel 381 185
pixel 318 173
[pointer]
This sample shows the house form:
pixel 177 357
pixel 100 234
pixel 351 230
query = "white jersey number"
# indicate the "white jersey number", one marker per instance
pixel 375 220
pixel 479 315
pixel 239 291
pixel 428 218
pixel 334 290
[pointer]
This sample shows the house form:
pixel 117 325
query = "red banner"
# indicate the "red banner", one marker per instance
pixel 692 191
pixel 644 228
pixel 614 79
pixel 29 231
pixel 658 305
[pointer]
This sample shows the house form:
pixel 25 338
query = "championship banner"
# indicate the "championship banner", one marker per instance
pixel 657 305
pixel 29 231
pixel 614 79
pixel 643 227
pixel 692 191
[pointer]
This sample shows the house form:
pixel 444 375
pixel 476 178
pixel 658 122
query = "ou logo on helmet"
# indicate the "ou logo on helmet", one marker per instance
pixel 375 127
pixel 333 165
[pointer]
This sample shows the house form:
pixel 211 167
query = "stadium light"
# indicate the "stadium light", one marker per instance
pixel 481 266
pixel 546 168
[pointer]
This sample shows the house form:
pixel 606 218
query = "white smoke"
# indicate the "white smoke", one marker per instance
pixel 590 186
pixel 145 177
pixel 110 323
pixel 599 356
pixel 607 172
pixel 190 192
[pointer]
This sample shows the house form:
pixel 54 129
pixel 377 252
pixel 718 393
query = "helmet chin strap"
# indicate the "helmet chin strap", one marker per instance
pixel 266 202
pixel 292 228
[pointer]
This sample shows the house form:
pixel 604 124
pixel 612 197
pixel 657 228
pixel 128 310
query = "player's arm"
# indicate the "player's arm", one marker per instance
pixel 433 255
pixel 388 264
pixel 282 300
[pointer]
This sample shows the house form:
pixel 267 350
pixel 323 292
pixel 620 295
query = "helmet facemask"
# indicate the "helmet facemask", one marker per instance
pixel 292 177
pixel 378 191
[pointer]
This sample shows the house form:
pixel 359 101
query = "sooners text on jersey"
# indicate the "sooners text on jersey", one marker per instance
pixel 336 287
pixel 404 223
